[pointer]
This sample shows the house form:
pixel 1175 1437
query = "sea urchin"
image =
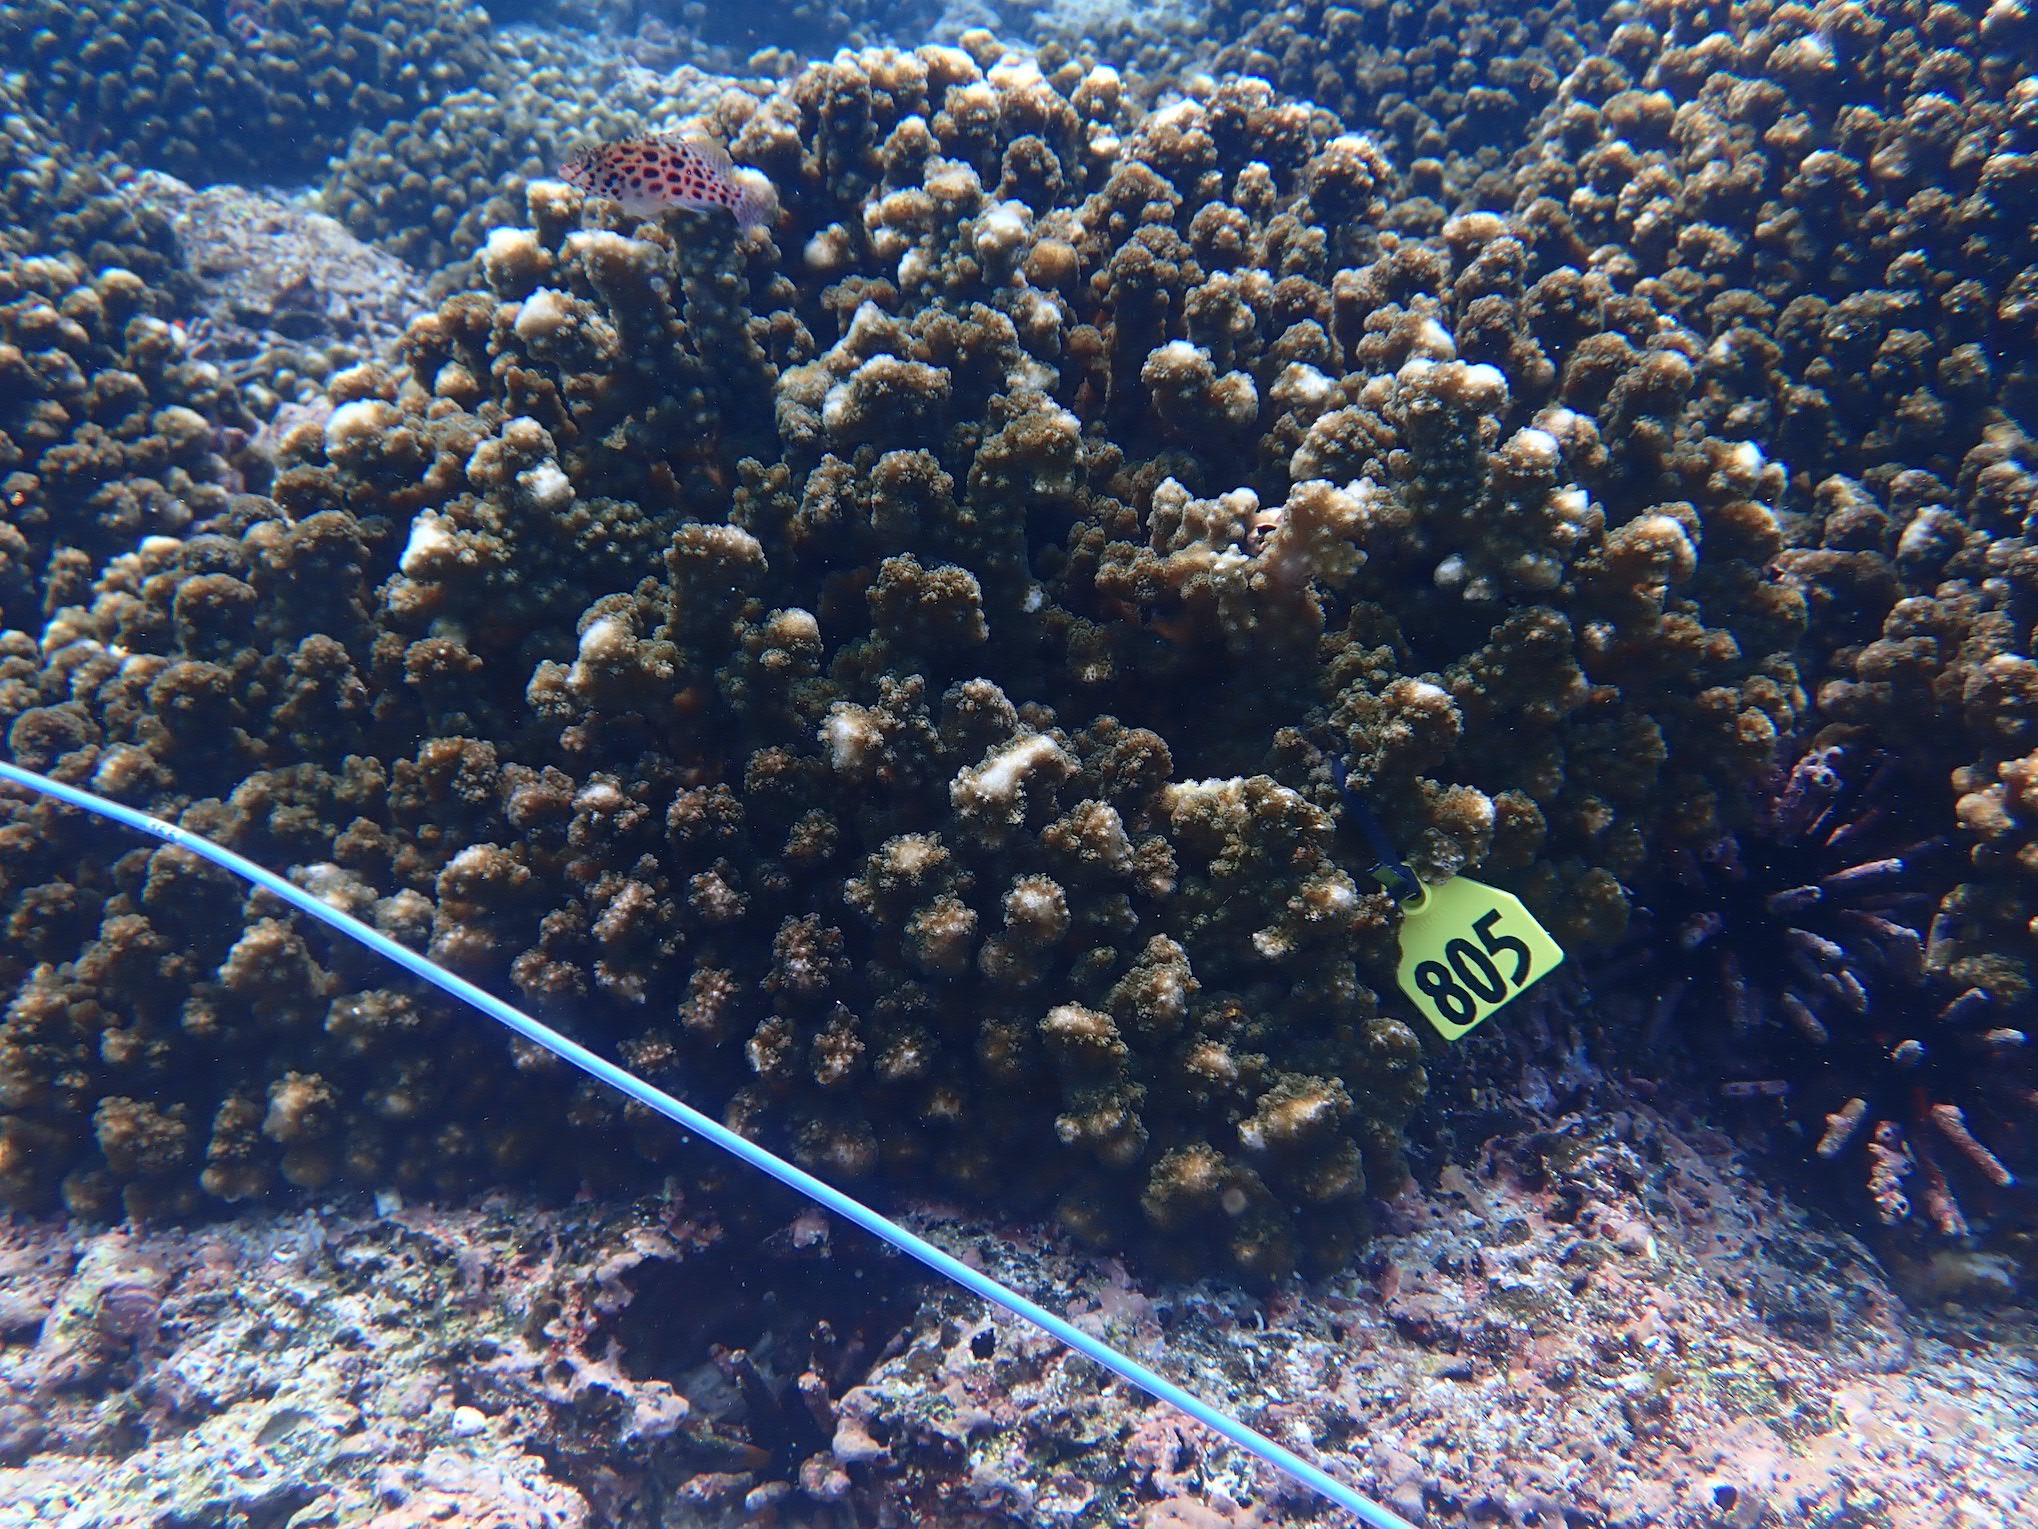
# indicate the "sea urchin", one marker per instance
pixel 1818 933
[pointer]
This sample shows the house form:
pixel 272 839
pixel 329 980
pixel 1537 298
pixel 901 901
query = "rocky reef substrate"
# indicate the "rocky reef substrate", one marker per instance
pixel 1601 1319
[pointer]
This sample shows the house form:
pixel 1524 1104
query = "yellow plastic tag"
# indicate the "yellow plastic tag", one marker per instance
pixel 1468 950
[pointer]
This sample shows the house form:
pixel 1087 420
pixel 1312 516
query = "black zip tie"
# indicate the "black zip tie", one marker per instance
pixel 1389 869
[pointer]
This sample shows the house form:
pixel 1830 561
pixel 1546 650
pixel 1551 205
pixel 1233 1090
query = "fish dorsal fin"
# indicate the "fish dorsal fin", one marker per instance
pixel 711 150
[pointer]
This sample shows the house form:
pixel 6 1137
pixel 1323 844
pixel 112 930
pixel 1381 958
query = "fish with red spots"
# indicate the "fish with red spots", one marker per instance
pixel 649 174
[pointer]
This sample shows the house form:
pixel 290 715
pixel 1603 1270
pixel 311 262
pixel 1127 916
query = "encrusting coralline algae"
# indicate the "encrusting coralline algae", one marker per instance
pixel 883 679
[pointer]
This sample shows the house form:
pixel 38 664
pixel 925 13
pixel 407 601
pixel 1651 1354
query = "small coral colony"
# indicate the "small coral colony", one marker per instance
pixel 909 600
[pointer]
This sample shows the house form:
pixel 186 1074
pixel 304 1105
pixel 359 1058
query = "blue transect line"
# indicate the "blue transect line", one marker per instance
pixel 949 1267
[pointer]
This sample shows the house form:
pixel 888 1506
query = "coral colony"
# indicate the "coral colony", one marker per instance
pixel 886 676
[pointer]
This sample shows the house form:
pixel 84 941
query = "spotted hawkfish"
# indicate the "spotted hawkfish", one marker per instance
pixel 648 175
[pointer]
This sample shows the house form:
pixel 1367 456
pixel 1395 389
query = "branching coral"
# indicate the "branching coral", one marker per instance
pixel 169 87
pixel 881 676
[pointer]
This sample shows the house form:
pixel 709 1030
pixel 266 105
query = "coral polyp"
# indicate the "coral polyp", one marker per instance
pixel 1818 940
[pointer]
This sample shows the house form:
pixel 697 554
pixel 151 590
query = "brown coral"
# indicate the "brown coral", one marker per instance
pixel 884 677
